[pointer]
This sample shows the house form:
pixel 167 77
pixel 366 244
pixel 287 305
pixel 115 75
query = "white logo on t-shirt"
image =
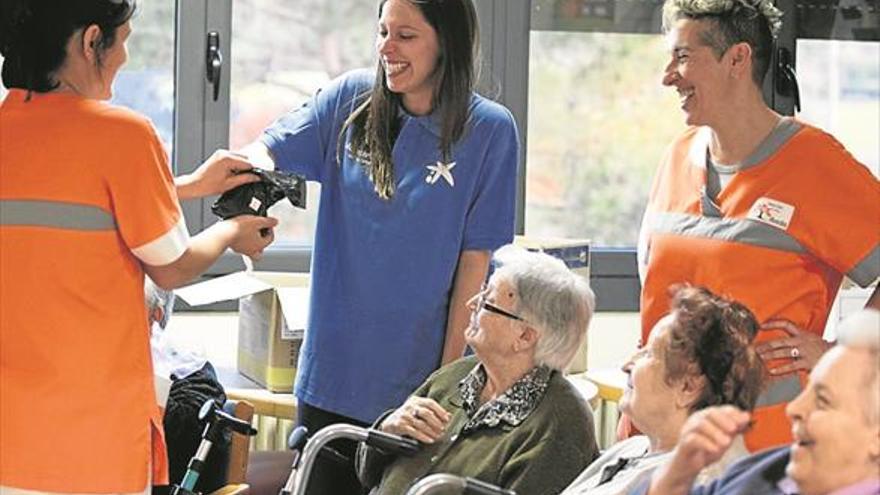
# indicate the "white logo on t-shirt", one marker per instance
pixel 440 170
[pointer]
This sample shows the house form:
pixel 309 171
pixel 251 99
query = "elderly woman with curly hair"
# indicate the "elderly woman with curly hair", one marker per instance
pixel 505 415
pixel 699 355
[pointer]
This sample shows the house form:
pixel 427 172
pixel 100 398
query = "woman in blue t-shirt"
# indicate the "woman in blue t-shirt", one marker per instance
pixel 418 177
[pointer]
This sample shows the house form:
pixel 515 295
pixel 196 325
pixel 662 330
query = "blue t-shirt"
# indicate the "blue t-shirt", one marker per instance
pixel 382 270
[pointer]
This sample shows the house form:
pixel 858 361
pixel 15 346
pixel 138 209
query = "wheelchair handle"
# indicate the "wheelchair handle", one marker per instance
pixel 477 487
pixel 333 432
pixel 216 420
pixel 219 418
pixel 298 438
pixel 295 442
pixel 436 483
pixel 392 444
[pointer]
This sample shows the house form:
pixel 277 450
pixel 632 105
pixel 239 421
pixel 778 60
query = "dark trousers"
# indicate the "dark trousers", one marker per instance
pixel 329 476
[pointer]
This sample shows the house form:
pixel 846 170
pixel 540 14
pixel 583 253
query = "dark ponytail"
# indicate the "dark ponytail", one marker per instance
pixel 34 36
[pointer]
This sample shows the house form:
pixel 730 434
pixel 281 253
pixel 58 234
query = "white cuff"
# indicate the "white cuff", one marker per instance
pixel 166 248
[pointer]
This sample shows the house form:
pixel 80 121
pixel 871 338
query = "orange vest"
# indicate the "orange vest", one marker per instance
pixel 778 238
pixel 83 186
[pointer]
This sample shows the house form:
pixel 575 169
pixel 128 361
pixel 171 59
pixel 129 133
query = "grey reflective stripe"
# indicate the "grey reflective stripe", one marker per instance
pixel 781 134
pixel 54 214
pixel 780 391
pixel 708 206
pixel 868 269
pixel 744 231
pixel 784 130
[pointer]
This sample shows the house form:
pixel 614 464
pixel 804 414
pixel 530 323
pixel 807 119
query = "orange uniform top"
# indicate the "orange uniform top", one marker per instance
pixel 86 195
pixel 778 238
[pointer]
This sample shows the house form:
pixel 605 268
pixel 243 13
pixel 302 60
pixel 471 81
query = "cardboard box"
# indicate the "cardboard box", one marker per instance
pixel 273 310
pixel 576 255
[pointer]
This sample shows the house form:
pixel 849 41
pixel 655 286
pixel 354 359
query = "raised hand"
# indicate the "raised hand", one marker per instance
pixel 704 438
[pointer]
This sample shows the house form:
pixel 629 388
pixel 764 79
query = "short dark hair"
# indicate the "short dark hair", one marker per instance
pixel 34 36
pixel 713 336
pixel 727 22
pixel 455 22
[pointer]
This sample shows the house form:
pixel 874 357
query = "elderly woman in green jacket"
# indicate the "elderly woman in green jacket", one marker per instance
pixel 505 415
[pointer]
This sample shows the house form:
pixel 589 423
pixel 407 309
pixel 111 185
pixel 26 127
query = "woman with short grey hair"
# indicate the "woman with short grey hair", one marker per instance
pixel 505 415
pixel 557 303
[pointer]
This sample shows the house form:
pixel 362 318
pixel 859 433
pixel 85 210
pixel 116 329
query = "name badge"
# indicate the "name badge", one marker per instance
pixel 772 212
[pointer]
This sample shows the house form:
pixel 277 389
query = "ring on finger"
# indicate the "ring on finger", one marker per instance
pixel 795 353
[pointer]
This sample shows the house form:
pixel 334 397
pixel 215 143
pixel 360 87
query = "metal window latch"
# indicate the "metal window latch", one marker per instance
pixel 786 79
pixel 214 62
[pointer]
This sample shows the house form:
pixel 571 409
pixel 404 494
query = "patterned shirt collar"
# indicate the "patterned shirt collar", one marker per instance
pixel 511 407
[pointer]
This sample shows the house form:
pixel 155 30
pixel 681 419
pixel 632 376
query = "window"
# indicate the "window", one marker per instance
pixel 598 124
pixel 582 78
pixel 840 92
pixel 146 83
pixel 838 66
pixel 282 52
pixel 599 120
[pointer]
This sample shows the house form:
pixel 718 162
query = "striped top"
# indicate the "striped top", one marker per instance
pixel 86 196
pixel 797 216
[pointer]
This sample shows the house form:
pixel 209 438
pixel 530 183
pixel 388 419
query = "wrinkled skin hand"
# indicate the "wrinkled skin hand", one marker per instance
pixel 419 418
pixel 706 436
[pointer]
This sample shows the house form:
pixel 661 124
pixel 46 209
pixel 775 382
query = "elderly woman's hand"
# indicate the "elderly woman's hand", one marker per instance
pixel 706 436
pixel 419 418
pixel 802 349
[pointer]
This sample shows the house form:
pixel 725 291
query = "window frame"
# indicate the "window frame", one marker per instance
pixel 202 125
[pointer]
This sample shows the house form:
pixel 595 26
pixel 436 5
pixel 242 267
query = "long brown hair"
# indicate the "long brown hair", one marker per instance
pixel 455 22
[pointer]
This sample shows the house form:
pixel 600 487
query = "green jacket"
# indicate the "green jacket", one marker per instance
pixel 541 455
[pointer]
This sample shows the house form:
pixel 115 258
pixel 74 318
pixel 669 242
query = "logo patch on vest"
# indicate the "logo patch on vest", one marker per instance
pixel 772 212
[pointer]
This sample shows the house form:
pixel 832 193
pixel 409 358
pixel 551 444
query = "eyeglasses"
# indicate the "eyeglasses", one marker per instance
pixel 482 303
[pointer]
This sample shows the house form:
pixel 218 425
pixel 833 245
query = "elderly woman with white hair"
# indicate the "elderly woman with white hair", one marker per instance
pixel 505 415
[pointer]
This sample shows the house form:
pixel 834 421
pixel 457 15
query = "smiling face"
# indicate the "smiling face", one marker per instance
pixel 834 443
pixel 408 51
pixel 490 332
pixel 647 398
pixel 696 73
